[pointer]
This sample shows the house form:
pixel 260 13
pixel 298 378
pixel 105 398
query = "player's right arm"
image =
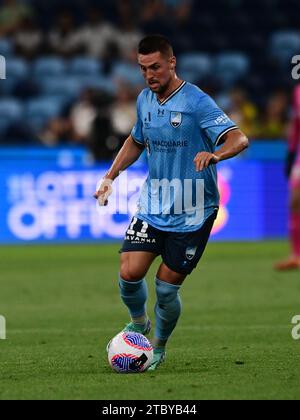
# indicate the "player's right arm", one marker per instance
pixel 128 154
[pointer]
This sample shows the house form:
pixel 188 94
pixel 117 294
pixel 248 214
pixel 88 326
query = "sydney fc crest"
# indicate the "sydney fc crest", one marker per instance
pixel 175 119
pixel 190 252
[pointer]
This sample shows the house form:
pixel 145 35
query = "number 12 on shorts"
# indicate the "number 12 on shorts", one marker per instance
pixel 143 231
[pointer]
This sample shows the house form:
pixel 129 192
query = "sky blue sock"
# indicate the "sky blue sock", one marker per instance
pixel 134 294
pixel 167 309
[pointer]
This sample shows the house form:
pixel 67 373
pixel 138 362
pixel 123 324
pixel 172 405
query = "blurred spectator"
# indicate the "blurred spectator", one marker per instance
pixel 127 71
pixel 154 18
pixel 128 33
pixel 28 40
pixel 12 13
pixel 75 124
pixel 180 9
pixel 97 37
pixel 63 39
pixel 123 111
pixel 102 142
pixel 181 12
pixel 82 116
pixel 241 110
pixel 274 121
pixel 176 3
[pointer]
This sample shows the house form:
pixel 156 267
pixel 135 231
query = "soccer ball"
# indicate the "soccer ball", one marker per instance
pixel 130 352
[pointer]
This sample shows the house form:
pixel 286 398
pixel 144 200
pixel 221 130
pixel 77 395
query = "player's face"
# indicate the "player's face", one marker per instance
pixel 157 70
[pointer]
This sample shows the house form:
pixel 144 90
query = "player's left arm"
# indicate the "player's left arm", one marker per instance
pixel 234 142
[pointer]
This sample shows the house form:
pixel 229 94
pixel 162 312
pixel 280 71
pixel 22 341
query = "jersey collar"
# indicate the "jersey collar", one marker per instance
pixel 171 94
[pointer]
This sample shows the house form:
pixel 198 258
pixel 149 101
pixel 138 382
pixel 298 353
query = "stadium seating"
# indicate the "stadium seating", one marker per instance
pixel 11 108
pixel 72 86
pixel 55 85
pixel 11 111
pixel 49 66
pixel 6 48
pixel 17 70
pixel 283 45
pixel 230 67
pixel 219 47
pixel 128 73
pixel 98 82
pixel 84 66
pixel 38 111
pixel 194 66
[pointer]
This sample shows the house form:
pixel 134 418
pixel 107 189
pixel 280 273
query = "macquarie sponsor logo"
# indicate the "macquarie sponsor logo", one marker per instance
pixel 168 146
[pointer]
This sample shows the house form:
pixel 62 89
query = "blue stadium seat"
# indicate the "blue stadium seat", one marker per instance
pixel 11 111
pixel 193 66
pixel 85 66
pixel 99 82
pixel 49 66
pixel 38 111
pixel 283 45
pixel 60 99
pixel 67 86
pixel 72 86
pixel 11 108
pixel 6 48
pixel 230 67
pixel 17 68
pixel 4 124
pixel 127 73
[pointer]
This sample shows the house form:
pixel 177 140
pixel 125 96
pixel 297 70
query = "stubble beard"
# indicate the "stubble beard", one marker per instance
pixel 161 89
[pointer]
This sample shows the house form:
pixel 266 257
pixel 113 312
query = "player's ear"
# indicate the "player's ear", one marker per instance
pixel 173 62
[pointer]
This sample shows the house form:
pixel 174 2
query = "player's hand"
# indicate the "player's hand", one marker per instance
pixel 103 191
pixel 290 160
pixel 204 159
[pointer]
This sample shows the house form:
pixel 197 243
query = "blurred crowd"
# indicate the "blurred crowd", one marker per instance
pixel 108 32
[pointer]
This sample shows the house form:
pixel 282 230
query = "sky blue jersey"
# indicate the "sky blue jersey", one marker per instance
pixel 175 197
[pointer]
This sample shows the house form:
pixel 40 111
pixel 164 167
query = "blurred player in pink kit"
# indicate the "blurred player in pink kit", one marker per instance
pixel 293 173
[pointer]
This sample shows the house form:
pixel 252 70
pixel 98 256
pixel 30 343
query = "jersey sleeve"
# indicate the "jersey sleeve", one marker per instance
pixel 213 121
pixel 137 131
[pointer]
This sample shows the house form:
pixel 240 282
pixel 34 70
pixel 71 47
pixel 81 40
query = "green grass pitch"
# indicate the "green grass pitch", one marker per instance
pixel 233 340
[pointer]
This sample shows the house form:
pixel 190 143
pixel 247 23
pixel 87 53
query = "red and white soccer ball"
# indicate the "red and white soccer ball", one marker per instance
pixel 130 352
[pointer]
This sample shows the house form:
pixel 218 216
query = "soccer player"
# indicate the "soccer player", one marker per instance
pixel 180 127
pixel 293 173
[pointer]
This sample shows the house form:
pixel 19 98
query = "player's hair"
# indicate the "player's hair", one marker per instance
pixel 154 43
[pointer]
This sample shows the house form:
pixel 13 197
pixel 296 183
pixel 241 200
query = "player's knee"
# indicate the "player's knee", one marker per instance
pixel 165 292
pixel 131 269
pixel 131 276
pixel 129 273
pixel 174 278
